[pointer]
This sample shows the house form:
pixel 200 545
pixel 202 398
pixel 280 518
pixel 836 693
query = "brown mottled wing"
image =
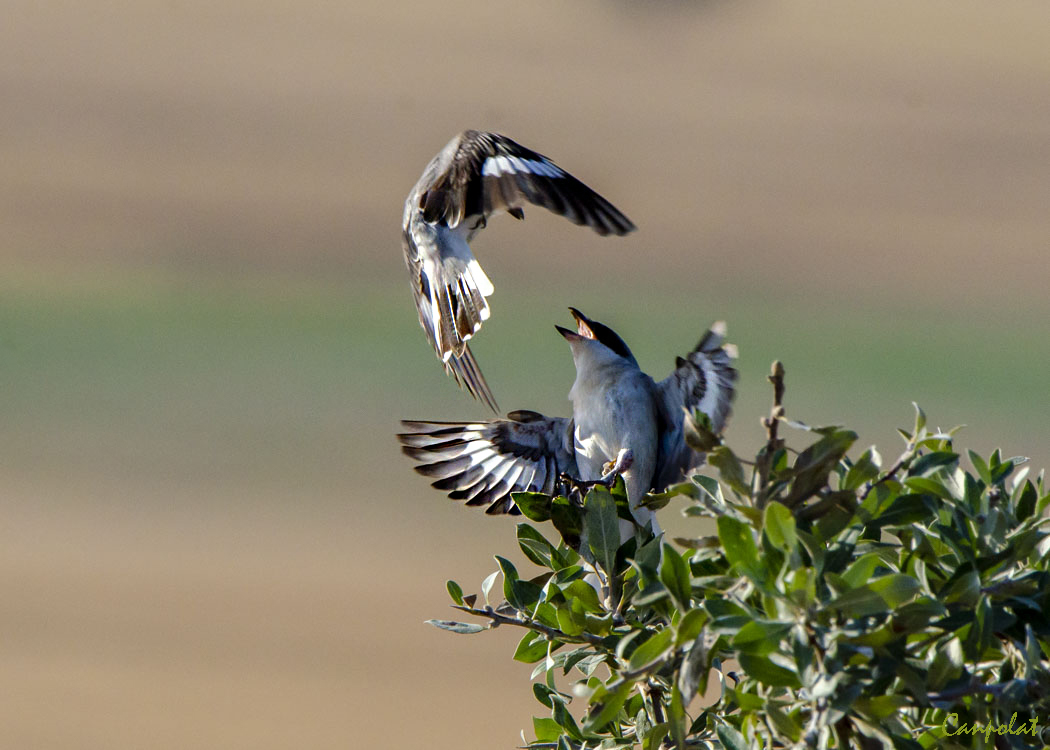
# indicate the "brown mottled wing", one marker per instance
pixel 491 173
pixel 704 380
pixel 484 462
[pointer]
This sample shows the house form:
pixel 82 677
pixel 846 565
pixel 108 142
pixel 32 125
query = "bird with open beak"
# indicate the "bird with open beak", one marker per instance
pixel 622 422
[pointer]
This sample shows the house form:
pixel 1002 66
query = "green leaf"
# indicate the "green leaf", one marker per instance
pixel 981 466
pixel 765 671
pixel 697 432
pixel 657 500
pixel 860 570
pixel 730 468
pixel 881 595
pixel 535 546
pixel 690 625
pixel 1032 655
pixel 1026 501
pixel 759 637
pixel 947 665
pixel 1001 470
pixel 815 463
pixel 455 592
pixel 654 740
pixel 710 487
pixel 931 486
pixel 859 602
pixel 545 695
pixel 531 648
pixel 881 707
pixel 964 589
pixel 920 420
pixel 546 614
pixel 864 470
pixel 486 585
pixel 571 619
pixel 568 520
pixel 674 573
pixel 603 528
pixel 895 589
pixel 535 506
pixel 932 461
pixel 676 716
pixel 786 724
pixel 583 593
pixel 546 730
pixel 452 626
pixel 917 615
pixel 519 593
pixel 506 567
pixel 526 594
pixel 779 525
pixel 565 721
pixel 652 650
pixel 739 545
pixel 730 738
pixel 605 705
pixel 979 637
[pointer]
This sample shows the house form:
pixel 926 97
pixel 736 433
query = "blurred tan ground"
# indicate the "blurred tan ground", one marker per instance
pixel 204 574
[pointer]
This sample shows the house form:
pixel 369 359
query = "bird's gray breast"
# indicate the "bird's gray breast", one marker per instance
pixel 614 409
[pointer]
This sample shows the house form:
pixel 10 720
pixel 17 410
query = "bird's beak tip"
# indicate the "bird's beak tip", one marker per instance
pixel 569 335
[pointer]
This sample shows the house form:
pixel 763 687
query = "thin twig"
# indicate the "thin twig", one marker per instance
pixel 973 688
pixel 908 454
pixel 773 443
pixel 539 627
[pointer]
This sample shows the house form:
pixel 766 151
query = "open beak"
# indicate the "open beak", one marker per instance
pixel 583 328
pixel 583 324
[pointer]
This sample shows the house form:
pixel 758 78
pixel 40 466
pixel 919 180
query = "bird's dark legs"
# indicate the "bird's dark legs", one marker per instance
pixel 624 461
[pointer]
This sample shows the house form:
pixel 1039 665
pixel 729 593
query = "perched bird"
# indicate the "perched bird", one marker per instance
pixel 476 176
pixel 621 421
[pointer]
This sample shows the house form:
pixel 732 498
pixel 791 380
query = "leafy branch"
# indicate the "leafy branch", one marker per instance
pixel 863 604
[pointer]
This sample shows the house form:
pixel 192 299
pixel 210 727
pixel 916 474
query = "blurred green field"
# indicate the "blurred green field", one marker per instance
pixel 276 382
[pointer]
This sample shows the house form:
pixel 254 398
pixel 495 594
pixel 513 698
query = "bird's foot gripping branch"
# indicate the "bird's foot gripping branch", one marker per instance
pixel 836 601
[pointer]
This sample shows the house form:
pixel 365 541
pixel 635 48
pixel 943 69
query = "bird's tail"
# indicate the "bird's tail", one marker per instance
pixel 715 359
pixel 464 368
pixel 458 288
pixel 452 307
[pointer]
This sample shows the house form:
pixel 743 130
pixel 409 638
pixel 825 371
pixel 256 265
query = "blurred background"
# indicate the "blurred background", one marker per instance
pixel 209 537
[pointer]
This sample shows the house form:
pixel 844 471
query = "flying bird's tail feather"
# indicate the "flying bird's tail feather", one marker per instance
pixel 464 369
pixel 457 305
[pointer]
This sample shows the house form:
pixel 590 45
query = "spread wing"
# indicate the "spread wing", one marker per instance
pixel 704 380
pixel 476 175
pixel 483 462
pixel 489 173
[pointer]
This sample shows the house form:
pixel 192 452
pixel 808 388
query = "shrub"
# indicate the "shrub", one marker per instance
pixel 843 602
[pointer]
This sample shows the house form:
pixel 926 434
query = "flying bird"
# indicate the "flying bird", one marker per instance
pixel 621 420
pixel 476 176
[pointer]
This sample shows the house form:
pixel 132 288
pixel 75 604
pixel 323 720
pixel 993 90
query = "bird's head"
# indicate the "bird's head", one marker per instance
pixel 595 341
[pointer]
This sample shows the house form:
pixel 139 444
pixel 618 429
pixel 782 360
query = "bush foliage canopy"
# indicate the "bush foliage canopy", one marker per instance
pixel 843 602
